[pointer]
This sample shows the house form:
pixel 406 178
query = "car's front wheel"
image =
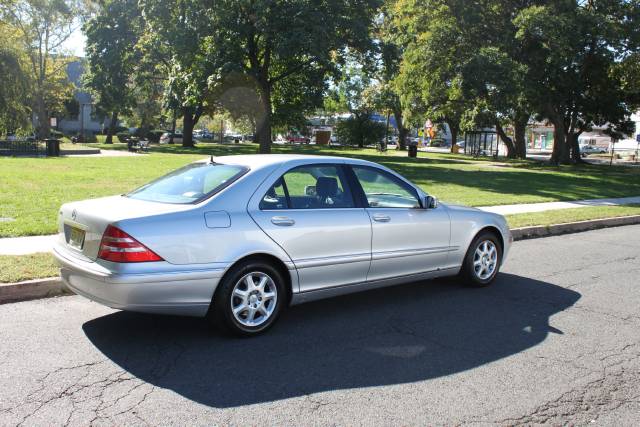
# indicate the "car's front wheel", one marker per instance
pixel 483 260
pixel 248 299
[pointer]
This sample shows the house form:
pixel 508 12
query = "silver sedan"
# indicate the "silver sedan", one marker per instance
pixel 238 238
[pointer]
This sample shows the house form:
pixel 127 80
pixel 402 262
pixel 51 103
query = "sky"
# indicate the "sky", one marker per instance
pixel 75 43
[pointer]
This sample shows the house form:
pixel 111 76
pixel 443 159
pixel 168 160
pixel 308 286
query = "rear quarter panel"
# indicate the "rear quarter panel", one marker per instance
pixel 187 238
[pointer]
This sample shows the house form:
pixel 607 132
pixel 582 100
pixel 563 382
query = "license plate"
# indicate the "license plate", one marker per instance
pixel 76 238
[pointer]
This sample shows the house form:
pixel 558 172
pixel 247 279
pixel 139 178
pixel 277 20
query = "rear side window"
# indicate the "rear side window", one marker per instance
pixel 190 184
pixel 309 187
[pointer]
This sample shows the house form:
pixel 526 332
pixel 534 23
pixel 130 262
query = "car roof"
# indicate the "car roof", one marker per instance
pixel 254 161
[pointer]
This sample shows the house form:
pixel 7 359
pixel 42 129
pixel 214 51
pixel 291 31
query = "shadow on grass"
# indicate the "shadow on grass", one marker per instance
pixel 383 337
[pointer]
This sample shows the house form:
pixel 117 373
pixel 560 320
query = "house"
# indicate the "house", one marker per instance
pixel 87 119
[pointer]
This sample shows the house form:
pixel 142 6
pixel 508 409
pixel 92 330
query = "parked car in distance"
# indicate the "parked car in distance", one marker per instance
pixel 440 142
pixel 202 134
pixel 586 149
pixel 165 138
pixel 236 239
pixel 298 139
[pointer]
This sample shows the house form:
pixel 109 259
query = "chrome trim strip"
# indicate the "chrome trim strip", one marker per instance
pixel 337 260
pixel 334 260
pixel 412 252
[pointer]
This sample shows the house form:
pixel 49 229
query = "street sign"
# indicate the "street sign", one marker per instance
pixel 53 122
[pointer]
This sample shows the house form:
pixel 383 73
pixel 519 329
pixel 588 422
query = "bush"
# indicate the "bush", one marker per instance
pixel 123 136
pixel 360 131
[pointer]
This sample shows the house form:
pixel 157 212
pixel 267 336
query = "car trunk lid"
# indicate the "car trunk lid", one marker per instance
pixel 82 224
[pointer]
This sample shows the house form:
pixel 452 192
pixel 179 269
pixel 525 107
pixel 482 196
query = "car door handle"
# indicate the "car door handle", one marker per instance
pixel 282 221
pixel 381 218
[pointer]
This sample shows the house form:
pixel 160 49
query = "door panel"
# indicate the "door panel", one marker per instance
pixel 329 247
pixel 406 239
pixel 311 214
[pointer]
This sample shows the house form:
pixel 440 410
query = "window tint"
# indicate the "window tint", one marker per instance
pixel 383 190
pixel 309 187
pixel 189 184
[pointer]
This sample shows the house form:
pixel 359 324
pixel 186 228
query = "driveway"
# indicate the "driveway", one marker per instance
pixel 555 340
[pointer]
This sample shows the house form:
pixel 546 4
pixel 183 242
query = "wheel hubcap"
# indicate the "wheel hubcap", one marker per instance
pixel 485 259
pixel 253 299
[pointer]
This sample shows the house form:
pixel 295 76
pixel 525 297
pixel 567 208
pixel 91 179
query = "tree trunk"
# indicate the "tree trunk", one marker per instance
pixel 187 126
pixel 43 119
pixel 263 134
pixel 508 142
pixel 111 128
pixel 455 130
pixel 573 147
pixel 173 126
pixel 454 127
pixel 560 153
pixel 402 131
pixel 520 130
pixel 190 120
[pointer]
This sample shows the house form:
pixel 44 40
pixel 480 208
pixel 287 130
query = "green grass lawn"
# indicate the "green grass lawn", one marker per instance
pixel 562 216
pixel 15 268
pixel 32 189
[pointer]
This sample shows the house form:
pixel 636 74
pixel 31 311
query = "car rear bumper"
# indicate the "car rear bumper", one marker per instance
pixel 187 291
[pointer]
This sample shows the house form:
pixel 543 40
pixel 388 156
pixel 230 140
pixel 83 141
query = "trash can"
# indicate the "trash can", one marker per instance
pixel 53 147
pixel 413 150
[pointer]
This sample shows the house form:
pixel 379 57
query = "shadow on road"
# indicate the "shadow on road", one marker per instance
pixel 387 336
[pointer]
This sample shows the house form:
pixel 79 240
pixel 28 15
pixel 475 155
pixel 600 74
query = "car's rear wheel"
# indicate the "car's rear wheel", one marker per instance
pixel 248 299
pixel 483 259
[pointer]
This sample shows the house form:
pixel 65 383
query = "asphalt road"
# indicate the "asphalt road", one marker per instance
pixel 555 340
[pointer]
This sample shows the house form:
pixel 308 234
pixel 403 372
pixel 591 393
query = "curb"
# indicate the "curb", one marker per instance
pixel 51 287
pixel 32 289
pixel 572 227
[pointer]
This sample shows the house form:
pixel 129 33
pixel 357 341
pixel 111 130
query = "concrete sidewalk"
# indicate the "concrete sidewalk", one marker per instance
pixel 26 245
pixel 33 244
pixel 541 207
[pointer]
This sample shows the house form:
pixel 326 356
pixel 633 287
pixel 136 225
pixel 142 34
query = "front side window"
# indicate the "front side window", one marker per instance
pixel 309 187
pixel 189 184
pixel 384 190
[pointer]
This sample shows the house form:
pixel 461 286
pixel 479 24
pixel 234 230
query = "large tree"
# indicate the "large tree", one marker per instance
pixel 286 49
pixel 389 56
pixel 43 27
pixel 112 57
pixel 174 37
pixel 432 74
pixel 574 52
pixel 14 84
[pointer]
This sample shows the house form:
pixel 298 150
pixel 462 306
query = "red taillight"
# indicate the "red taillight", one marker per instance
pixel 118 246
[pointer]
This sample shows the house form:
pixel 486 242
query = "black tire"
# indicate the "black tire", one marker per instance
pixel 221 311
pixel 468 273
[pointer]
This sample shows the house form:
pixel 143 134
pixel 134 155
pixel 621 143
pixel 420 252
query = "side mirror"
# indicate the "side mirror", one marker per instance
pixel 430 202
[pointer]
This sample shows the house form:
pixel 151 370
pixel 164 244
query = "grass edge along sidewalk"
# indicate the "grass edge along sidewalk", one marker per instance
pixel 50 287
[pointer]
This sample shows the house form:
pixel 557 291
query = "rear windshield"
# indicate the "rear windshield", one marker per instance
pixel 190 184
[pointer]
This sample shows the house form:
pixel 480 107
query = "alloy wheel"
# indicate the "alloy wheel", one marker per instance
pixel 253 299
pixel 485 259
